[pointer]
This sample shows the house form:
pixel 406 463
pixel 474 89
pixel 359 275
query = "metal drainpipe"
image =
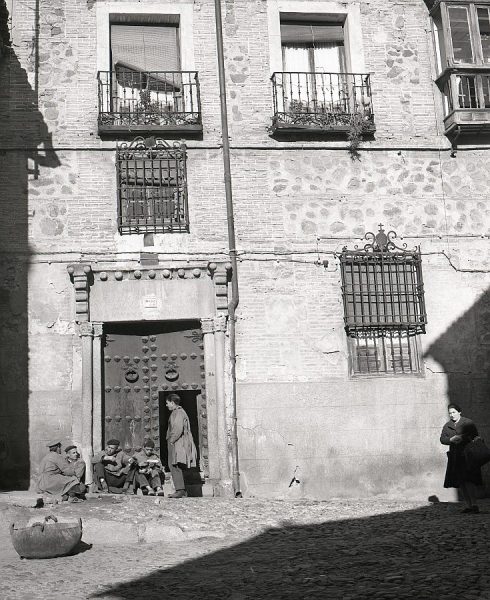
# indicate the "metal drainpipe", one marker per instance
pixel 231 239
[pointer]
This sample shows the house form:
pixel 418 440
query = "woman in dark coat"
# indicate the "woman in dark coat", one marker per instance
pixel 457 433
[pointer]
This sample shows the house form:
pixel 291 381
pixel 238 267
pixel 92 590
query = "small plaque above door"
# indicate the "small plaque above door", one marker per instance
pixel 150 301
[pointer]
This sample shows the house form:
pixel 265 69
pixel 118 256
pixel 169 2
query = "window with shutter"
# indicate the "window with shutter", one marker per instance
pixel 146 88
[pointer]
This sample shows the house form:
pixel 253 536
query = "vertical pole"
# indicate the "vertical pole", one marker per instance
pixel 97 388
pixel 231 238
pixel 86 333
pixel 225 486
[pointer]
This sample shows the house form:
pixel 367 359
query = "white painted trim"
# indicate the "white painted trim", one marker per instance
pixel 353 32
pixel 186 18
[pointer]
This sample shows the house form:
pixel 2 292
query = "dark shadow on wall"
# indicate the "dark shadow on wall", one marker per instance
pixel 25 148
pixel 408 554
pixel 463 353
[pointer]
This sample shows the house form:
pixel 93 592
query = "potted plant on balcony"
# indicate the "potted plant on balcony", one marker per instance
pixel 298 112
pixel 148 110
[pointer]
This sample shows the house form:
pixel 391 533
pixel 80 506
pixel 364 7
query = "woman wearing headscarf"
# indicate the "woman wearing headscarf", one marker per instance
pixel 457 433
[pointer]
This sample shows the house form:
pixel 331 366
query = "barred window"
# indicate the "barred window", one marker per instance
pixel 384 307
pixel 391 352
pixel 152 187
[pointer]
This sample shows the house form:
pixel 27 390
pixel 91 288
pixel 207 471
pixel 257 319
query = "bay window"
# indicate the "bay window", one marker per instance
pixel 462 46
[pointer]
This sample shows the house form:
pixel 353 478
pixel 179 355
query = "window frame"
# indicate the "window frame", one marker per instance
pixel 410 351
pixel 136 10
pixel 316 10
pixel 310 47
pixel 440 12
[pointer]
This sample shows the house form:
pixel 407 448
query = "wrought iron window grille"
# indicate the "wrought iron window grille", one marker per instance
pixel 151 187
pixel 382 288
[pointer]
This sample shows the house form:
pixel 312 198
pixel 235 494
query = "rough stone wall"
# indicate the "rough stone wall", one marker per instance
pixel 296 204
pixel 58 192
pixel 297 405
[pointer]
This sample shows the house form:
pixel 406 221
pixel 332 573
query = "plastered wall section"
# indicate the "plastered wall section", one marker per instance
pixel 297 405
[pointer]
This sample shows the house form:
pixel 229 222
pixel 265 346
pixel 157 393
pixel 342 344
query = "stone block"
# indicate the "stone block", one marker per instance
pixel 153 531
pixel 117 533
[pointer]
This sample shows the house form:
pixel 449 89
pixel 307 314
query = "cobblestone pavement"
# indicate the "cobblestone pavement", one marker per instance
pixel 340 549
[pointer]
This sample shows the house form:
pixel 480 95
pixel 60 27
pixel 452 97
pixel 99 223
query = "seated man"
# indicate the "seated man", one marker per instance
pixel 112 467
pixel 75 465
pixel 55 477
pixel 149 470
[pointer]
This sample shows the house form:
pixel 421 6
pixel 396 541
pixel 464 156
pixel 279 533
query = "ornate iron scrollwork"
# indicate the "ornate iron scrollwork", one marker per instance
pixel 382 241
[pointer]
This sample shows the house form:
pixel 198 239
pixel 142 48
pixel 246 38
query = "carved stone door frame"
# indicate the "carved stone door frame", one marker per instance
pixel 214 327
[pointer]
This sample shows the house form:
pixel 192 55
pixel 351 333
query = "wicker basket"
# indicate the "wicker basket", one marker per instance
pixel 46 540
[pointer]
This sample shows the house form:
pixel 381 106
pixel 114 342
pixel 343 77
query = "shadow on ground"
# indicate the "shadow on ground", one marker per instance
pixel 432 552
pixel 80 548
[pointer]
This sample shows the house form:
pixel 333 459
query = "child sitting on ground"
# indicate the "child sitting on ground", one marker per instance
pixel 149 473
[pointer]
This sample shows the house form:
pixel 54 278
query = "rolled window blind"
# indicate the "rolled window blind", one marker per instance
pixel 145 47
pixel 307 33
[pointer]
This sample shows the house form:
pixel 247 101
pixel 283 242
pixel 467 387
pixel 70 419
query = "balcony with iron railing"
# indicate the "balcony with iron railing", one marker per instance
pixel 322 103
pixel 466 101
pixel 149 101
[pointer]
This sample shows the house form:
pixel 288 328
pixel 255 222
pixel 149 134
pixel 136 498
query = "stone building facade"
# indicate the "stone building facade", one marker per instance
pixel 88 307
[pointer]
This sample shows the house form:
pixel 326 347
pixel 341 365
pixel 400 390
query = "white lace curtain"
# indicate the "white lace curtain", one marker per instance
pixel 307 70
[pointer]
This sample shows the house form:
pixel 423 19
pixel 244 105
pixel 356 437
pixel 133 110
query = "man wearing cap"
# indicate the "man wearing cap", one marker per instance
pixel 53 479
pixel 149 470
pixel 112 467
pixel 181 448
pixel 74 464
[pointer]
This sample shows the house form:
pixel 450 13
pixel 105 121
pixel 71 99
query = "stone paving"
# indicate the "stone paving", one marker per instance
pixel 251 548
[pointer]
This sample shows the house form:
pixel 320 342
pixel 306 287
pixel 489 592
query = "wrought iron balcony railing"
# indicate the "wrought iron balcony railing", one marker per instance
pixel 322 102
pixel 467 101
pixel 149 101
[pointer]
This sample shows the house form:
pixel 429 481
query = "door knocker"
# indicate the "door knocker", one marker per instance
pixel 171 374
pixel 131 376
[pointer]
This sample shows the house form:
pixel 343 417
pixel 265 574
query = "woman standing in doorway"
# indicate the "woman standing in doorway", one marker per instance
pixel 457 433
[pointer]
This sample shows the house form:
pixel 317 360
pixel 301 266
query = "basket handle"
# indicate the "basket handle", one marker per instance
pixel 48 517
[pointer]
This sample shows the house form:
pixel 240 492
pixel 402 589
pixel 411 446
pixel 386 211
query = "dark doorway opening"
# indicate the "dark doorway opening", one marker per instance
pixel 142 328
pixel 189 402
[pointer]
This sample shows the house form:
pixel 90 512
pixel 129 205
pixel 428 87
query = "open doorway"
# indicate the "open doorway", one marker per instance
pixel 189 402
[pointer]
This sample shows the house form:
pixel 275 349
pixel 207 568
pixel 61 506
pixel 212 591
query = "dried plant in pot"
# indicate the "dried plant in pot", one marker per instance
pixel 359 125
